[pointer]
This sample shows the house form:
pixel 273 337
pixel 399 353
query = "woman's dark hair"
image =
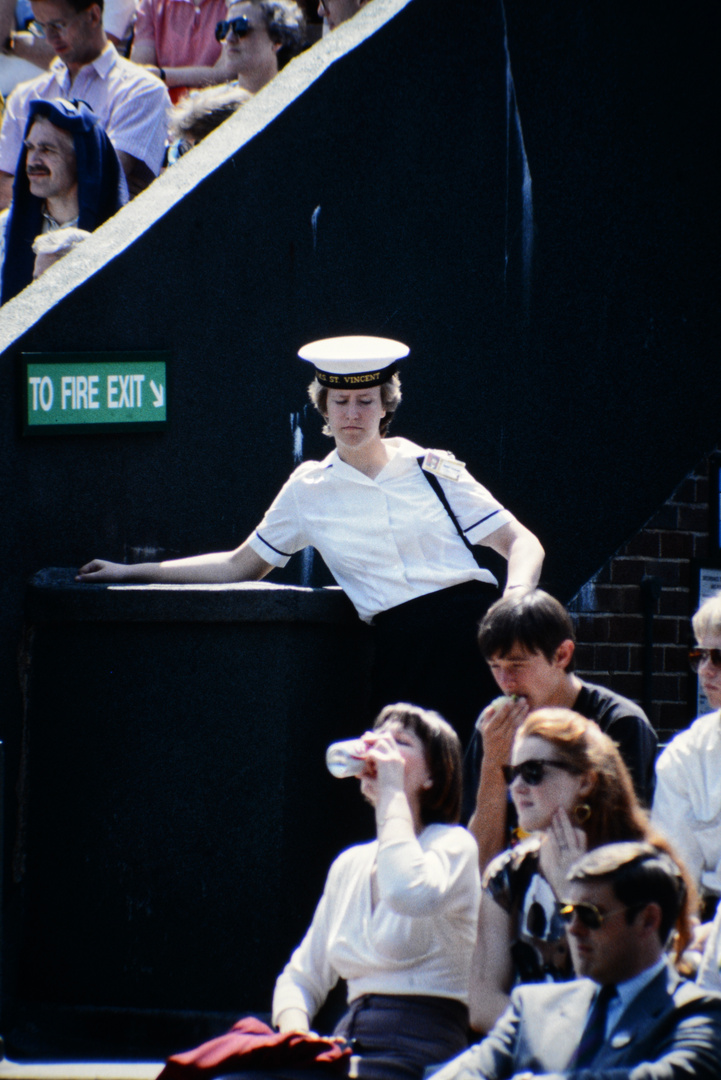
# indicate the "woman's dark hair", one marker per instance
pixel 442 801
pixel 534 620
pixel 390 397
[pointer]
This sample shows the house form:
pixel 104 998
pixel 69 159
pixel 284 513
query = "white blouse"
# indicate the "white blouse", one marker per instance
pixel 418 940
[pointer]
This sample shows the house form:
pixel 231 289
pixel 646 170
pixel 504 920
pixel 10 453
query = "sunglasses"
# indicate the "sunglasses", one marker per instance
pixel 241 27
pixel 697 656
pixel 533 771
pixel 588 914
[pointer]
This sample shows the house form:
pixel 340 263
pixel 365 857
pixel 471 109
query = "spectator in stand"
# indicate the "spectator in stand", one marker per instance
pixel 178 34
pixel 255 40
pixel 620 903
pixel 130 103
pixel 528 642
pixel 49 248
pixel 24 46
pixel 69 175
pixel 687 804
pixel 334 12
pixel 573 793
pixel 200 113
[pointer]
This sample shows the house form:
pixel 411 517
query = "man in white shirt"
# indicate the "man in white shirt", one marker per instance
pixel 687 803
pixel 130 103
pixel 630 1016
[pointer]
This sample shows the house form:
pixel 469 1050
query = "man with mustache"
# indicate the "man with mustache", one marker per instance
pixel 129 102
pixel 69 175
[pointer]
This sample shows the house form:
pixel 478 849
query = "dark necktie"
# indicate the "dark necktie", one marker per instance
pixel 594 1033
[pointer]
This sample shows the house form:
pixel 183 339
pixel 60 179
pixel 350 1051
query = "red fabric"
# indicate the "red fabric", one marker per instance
pixel 251 1044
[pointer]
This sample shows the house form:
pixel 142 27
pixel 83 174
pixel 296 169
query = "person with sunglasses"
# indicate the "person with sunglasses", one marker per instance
pixel 528 641
pixel 629 1016
pixel 252 40
pixel 687 803
pixel 572 793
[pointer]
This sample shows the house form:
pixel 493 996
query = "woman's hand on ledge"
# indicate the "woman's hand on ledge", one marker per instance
pixel 100 570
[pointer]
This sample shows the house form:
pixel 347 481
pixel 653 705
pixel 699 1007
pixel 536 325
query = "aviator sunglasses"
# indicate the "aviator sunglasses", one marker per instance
pixel 533 771
pixel 697 656
pixel 241 27
pixel 588 914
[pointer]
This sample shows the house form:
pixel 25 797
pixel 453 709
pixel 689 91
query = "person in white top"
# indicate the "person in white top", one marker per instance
pixel 130 103
pixel 396 919
pixel 394 523
pixel 687 802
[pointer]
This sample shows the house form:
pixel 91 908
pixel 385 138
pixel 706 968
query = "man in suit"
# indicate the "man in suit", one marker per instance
pixel 630 1016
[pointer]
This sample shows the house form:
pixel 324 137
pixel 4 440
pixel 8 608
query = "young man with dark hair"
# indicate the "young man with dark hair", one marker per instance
pixel 130 103
pixel 629 1016
pixel 528 641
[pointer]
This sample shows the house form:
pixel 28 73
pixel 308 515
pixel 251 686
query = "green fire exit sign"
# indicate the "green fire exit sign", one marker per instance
pixel 89 392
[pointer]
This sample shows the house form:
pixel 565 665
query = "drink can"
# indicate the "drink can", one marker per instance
pixel 346 758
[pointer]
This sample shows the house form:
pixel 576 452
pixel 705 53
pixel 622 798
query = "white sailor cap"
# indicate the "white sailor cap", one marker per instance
pixel 353 362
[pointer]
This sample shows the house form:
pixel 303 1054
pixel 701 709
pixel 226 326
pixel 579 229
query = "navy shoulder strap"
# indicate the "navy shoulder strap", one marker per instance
pixel 438 488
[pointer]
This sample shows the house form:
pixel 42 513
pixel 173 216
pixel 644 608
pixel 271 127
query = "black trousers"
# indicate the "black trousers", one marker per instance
pixel 394 1037
pixel 426 653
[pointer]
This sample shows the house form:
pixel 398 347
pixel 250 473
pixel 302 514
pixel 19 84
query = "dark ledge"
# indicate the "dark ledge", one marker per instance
pixel 53 595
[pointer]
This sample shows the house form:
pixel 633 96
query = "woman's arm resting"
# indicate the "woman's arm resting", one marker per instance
pixel 220 567
pixel 491 966
pixel 522 550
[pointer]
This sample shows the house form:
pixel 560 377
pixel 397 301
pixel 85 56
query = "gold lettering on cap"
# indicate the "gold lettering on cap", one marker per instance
pixel 372 376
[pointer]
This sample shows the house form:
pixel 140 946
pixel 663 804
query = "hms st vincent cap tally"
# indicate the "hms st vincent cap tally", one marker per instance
pixel 352 363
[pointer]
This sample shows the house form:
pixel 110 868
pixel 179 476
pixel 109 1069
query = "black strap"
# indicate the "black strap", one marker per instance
pixel 437 487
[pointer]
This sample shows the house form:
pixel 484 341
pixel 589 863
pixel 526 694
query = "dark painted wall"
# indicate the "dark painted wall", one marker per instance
pixel 583 417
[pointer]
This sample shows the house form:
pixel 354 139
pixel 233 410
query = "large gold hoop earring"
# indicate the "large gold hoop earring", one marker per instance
pixel 582 813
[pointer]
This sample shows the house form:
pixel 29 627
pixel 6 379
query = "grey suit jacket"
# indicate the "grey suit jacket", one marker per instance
pixel 670 1031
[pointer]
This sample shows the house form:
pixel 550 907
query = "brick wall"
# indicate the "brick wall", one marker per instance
pixel 609 609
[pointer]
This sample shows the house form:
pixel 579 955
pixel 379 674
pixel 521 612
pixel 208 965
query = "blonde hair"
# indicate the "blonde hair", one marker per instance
pixel 390 398
pixel 707 619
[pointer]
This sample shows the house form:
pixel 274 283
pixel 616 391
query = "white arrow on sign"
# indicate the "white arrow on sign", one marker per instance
pixel 159 392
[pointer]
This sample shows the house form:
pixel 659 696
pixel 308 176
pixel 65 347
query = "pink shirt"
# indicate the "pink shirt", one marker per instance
pixel 130 103
pixel 183 34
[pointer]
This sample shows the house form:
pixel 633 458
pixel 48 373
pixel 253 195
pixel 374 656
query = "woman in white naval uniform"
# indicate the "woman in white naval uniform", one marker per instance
pixel 396 526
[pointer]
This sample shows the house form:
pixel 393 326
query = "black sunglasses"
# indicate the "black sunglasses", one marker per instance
pixel 533 771
pixel 697 656
pixel 240 27
pixel 588 914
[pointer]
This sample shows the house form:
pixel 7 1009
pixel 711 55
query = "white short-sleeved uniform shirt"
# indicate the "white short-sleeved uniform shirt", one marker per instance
pixel 129 102
pixel 386 540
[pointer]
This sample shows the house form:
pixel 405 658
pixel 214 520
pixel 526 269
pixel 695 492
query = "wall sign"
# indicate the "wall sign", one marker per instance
pixel 90 392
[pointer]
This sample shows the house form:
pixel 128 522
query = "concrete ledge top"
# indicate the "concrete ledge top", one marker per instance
pixel 53 595
pixel 83 1070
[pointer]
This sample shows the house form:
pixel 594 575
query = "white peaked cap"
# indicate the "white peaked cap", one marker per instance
pixel 355 361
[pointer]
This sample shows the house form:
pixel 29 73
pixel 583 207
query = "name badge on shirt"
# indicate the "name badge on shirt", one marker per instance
pixel 443 464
